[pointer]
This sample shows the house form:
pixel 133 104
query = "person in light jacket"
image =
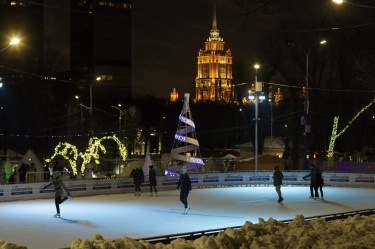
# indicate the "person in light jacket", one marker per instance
pixel 59 186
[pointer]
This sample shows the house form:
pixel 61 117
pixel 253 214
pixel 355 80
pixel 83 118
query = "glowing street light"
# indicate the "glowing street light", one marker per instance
pixel 121 113
pixel 354 4
pixel 306 104
pixel 14 41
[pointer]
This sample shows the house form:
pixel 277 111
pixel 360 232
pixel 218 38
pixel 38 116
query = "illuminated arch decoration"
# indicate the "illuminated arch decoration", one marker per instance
pixel 334 134
pixel 185 152
pixel 71 154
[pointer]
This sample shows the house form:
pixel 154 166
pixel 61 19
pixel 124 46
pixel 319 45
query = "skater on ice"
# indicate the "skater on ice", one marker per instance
pixel 138 179
pixel 59 186
pixel 184 184
pixel 278 181
pixel 313 188
pixel 319 182
pixel 152 180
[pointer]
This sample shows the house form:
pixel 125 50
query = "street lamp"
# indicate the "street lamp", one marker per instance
pixel 90 107
pixel 14 41
pixel 90 110
pixel 355 4
pixel 258 89
pixel 92 83
pixel 307 128
pixel 119 119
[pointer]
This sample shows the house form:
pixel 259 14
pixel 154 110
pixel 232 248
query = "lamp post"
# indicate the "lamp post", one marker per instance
pixel 121 113
pixel 258 89
pixel 307 128
pixel 90 109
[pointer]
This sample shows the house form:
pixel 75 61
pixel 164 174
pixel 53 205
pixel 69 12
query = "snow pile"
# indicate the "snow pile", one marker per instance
pixel 353 232
pixel 7 245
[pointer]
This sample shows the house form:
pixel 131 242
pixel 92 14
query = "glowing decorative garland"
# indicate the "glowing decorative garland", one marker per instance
pixel 334 129
pixel 70 152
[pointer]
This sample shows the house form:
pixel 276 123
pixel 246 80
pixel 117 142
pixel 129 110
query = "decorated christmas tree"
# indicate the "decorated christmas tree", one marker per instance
pixel 185 151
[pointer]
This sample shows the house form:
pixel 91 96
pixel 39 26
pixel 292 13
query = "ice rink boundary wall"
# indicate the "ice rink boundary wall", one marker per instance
pixel 14 192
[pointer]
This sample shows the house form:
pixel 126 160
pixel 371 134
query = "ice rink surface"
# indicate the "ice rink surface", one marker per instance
pixel 31 223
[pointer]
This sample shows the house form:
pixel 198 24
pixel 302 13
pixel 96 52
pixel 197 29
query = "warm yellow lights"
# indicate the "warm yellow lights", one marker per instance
pixel 322 42
pixel 338 1
pixel 14 41
pixel 256 66
pixel 91 154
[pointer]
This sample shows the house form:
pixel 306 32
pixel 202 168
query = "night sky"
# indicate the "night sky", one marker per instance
pixel 167 35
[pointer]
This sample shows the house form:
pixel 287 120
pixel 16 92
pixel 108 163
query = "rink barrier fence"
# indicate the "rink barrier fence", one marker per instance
pixel 166 239
pixel 27 191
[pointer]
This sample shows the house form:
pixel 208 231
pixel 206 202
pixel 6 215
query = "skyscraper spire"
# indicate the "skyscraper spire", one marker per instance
pixel 214 34
pixel 214 24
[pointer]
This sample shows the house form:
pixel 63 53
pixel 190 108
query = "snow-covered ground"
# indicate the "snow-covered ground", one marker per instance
pixel 30 223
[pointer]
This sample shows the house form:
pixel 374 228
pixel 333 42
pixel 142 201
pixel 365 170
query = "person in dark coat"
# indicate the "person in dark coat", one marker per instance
pixel 319 182
pixel 152 180
pixel 184 184
pixel 59 186
pixel 313 188
pixel 22 172
pixel 277 182
pixel 138 179
pixel 46 174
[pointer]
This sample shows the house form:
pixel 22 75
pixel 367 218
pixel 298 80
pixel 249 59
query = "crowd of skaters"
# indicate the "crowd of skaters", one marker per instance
pixel 316 182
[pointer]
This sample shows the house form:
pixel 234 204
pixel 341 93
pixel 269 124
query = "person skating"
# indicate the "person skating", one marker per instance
pixel 152 180
pixel 138 179
pixel 319 182
pixel 59 185
pixel 313 188
pixel 277 182
pixel 184 184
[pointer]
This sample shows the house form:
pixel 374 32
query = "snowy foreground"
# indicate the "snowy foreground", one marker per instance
pixel 114 221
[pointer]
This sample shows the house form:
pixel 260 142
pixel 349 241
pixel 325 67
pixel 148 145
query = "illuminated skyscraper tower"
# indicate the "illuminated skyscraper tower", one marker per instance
pixel 214 81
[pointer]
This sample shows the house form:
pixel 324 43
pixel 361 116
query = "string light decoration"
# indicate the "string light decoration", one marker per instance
pixel 71 154
pixel 334 135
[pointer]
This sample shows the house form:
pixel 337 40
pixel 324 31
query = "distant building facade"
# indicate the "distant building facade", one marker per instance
pixel 100 44
pixel 214 80
pixel 174 95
